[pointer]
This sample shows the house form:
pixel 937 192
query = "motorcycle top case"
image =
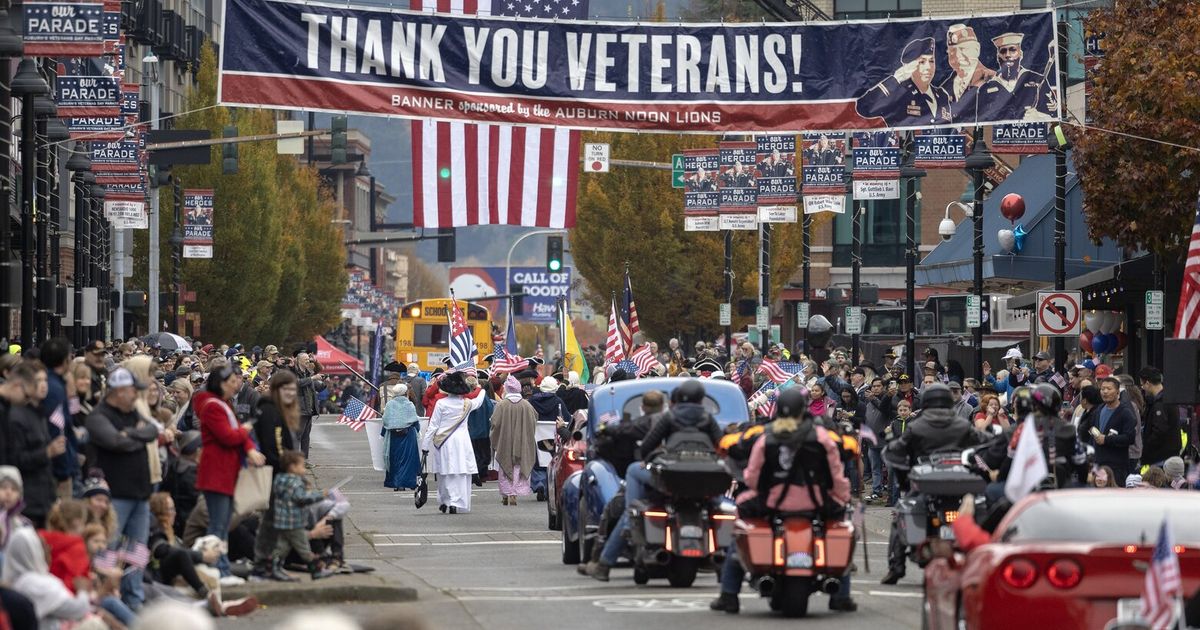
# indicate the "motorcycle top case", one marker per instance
pixel 945 481
pixel 690 478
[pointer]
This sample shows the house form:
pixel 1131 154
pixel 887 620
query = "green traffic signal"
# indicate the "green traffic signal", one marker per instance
pixel 555 265
pixel 554 253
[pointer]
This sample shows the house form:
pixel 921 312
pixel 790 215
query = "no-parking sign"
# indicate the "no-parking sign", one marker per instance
pixel 1059 314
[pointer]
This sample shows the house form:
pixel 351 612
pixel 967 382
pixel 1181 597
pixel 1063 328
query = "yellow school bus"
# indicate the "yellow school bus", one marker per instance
pixel 423 332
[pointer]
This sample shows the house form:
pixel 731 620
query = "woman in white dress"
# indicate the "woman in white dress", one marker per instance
pixel 449 443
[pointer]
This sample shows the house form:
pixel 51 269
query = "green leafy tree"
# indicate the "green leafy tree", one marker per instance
pixel 1137 192
pixel 632 215
pixel 277 272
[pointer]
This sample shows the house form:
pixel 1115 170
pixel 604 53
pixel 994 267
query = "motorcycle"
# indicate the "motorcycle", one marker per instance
pixel 938 483
pixel 790 555
pixel 686 526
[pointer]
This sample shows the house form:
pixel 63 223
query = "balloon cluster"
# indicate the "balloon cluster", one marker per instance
pixel 1103 334
pixel 1012 206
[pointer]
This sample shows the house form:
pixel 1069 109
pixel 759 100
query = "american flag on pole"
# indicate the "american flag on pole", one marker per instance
pixel 765 398
pixel 630 367
pixel 1164 586
pixel 614 349
pixel 356 414
pixel 779 371
pixel 1187 318
pixel 462 341
pixel 645 360
pixel 468 174
pixel 629 319
pixel 505 357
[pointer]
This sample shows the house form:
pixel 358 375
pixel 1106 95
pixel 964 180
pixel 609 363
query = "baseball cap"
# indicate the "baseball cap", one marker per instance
pixel 904 378
pixel 122 377
pixel 1086 364
pixel 271 350
pixel 1042 356
pixel 1013 353
pixel 955 385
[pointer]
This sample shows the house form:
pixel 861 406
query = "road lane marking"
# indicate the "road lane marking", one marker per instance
pixel 492 533
pixel 894 594
pixel 472 544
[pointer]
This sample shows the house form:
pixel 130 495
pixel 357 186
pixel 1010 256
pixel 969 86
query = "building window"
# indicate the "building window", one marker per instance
pixel 875 9
pixel 1034 4
pixel 884 236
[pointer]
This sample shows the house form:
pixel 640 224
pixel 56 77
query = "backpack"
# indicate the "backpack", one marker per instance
pixel 689 440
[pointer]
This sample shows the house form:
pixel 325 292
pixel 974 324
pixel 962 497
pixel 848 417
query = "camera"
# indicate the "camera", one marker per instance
pixel 946 229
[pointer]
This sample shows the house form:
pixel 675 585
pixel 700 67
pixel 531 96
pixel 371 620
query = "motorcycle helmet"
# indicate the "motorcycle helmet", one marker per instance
pixel 1022 402
pixel 792 403
pixel 1047 399
pixel 936 396
pixel 690 391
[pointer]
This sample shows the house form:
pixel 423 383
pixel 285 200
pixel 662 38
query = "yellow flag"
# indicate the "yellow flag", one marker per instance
pixel 572 351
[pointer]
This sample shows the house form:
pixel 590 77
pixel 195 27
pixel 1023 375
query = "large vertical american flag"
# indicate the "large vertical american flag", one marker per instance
pixel 462 340
pixel 467 174
pixel 614 348
pixel 356 413
pixel 1164 586
pixel 1187 318
pixel 629 318
pixel 505 357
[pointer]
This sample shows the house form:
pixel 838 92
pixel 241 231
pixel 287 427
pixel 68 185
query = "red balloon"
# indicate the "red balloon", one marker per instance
pixel 1012 206
pixel 1085 341
pixel 1121 341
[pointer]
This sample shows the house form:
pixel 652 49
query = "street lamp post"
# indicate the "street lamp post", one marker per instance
pixel 80 164
pixel 57 134
pixel 28 85
pixel 855 259
pixel 102 240
pixel 11 46
pixel 176 252
pixel 150 68
pixel 43 108
pixel 912 175
pixel 978 161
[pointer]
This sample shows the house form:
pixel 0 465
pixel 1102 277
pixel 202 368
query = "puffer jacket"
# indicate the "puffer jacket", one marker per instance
pixel 932 431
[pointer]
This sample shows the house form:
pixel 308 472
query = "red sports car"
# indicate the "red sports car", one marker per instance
pixel 1064 559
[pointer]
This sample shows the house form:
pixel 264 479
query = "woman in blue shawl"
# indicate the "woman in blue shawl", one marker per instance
pixel 400 457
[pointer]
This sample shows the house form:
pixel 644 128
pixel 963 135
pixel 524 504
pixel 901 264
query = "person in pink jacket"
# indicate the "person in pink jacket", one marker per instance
pixel 793 452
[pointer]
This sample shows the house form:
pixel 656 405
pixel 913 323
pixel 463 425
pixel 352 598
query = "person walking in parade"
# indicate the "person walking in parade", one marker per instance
pixel 514 428
pixel 449 443
pixel 401 461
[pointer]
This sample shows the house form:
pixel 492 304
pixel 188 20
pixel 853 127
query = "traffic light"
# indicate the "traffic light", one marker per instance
pixel 446 246
pixel 554 254
pixel 229 152
pixel 337 140
pixel 518 299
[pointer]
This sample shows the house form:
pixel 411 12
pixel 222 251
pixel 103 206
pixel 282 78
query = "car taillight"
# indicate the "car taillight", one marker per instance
pixel 951 516
pixel 654 514
pixel 1019 573
pixel 1064 573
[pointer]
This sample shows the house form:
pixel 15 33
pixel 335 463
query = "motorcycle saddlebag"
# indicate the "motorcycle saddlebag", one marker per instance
pixel 755 544
pixel 912 515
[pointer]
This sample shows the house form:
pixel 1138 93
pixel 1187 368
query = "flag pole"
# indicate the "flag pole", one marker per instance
pixel 359 376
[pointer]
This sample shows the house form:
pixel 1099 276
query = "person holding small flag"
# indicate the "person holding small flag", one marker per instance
pixel 449 443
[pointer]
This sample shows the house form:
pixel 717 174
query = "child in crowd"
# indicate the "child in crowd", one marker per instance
pixel 11 491
pixel 290 494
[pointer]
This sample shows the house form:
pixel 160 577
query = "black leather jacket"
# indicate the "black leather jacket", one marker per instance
pixel 932 431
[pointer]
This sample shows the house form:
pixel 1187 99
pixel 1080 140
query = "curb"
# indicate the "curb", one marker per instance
pixel 271 595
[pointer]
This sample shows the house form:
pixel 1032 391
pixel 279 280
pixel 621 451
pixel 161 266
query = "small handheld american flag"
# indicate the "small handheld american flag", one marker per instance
pixel 356 414
pixel 505 357
pixel 136 555
pixel 779 371
pixel 462 340
pixel 1164 586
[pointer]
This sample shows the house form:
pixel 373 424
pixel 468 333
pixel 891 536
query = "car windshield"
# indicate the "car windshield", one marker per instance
pixel 1098 517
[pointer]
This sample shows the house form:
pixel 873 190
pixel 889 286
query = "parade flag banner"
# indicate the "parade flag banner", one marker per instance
pixel 630 76
pixel 63 29
pixel 776 176
pixel 130 101
pixel 87 95
pixel 940 149
pixel 700 196
pixel 1021 139
pixel 123 156
pixel 98 128
pixel 198 223
pixel 572 350
pixel 823 172
pixel 876 162
pixel 736 185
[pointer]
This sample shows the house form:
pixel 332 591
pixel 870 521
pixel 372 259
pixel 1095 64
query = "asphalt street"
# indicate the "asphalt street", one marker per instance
pixel 499 568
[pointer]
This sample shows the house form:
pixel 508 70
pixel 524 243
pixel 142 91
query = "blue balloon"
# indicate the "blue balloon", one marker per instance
pixel 1103 343
pixel 1019 235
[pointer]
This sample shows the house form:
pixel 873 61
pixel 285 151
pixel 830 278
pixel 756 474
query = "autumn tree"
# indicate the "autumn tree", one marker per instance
pixel 277 272
pixel 1139 192
pixel 633 216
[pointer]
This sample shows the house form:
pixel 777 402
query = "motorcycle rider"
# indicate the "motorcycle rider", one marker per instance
pixel 687 413
pixel 794 466
pixel 618 445
pixel 937 428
